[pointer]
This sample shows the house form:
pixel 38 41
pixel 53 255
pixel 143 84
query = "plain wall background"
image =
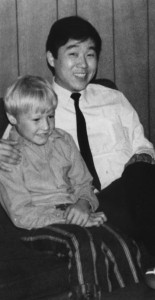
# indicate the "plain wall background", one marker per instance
pixel 127 29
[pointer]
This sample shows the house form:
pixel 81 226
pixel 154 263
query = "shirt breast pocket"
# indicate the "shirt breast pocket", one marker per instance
pixel 106 135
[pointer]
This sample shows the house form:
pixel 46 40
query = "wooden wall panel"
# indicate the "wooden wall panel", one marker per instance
pixel 8 44
pixel 34 21
pixel 127 29
pixel 131 53
pixel 151 12
pixel 99 13
pixel 67 8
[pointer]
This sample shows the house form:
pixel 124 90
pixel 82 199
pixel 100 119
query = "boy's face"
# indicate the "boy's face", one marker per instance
pixel 36 127
pixel 75 64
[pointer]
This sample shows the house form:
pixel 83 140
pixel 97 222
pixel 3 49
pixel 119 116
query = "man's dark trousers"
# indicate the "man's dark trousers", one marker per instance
pixel 129 203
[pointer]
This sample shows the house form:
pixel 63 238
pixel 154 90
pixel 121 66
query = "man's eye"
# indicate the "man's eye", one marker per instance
pixel 51 116
pixel 73 54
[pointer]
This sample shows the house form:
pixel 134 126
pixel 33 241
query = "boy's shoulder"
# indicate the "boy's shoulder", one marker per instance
pixel 63 138
pixel 60 133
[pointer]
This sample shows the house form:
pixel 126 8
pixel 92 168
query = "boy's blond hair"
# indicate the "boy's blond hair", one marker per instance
pixel 27 93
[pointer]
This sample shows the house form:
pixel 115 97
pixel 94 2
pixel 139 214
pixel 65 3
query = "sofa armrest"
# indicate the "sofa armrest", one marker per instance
pixel 105 82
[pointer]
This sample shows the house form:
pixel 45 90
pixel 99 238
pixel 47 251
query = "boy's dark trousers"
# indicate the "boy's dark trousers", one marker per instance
pixel 129 203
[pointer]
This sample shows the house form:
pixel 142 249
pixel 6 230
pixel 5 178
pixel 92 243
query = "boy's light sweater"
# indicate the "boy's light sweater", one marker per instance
pixel 47 176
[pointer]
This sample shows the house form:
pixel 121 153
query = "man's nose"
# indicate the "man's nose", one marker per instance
pixel 82 61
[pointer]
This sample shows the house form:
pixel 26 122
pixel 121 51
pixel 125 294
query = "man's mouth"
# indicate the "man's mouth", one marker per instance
pixel 80 75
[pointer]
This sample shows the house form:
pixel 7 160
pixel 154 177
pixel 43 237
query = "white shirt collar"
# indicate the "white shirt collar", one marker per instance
pixel 60 90
pixel 63 94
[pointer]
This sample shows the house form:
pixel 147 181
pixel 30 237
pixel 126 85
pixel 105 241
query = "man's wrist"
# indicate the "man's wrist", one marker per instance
pixel 143 157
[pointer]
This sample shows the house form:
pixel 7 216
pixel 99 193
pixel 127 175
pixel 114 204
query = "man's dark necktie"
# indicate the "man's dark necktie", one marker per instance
pixel 83 141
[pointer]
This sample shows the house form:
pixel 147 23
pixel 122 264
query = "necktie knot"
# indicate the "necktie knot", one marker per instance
pixel 75 96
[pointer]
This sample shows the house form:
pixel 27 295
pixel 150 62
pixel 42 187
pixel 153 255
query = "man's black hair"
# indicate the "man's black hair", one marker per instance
pixel 73 27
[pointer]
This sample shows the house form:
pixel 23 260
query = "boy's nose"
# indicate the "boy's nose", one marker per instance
pixel 45 125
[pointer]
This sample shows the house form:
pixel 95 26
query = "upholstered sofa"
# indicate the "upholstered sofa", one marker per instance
pixel 26 274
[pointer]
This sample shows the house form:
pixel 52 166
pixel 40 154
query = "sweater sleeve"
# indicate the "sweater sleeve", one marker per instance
pixel 80 177
pixel 17 202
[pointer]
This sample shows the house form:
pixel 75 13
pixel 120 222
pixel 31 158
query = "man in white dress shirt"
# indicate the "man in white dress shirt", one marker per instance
pixel 123 157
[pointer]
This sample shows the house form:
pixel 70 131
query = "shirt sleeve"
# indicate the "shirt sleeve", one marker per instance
pixel 17 202
pixel 134 129
pixel 80 177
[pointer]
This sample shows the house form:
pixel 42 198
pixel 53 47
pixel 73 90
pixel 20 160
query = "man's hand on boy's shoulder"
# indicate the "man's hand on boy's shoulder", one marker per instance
pixel 78 213
pixel 9 155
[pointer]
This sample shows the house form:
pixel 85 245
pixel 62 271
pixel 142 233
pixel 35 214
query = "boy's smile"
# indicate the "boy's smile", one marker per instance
pixel 75 65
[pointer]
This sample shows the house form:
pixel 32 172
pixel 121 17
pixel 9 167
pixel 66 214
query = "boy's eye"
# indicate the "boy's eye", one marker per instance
pixel 51 116
pixel 91 54
pixel 36 119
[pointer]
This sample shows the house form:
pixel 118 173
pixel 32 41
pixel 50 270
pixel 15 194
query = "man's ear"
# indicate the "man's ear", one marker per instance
pixel 50 59
pixel 11 119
